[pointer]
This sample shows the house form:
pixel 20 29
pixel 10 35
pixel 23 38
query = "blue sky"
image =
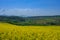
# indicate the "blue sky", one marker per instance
pixel 30 7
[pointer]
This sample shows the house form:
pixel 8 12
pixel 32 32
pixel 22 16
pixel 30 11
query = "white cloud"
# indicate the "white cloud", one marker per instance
pixel 29 12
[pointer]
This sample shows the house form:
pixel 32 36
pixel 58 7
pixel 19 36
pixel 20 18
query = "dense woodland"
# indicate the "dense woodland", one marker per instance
pixel 33 20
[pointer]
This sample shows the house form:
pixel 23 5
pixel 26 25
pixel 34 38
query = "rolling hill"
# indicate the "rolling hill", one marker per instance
pixel 33 20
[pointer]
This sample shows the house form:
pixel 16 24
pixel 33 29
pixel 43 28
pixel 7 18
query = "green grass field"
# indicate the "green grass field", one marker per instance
pixel 13 32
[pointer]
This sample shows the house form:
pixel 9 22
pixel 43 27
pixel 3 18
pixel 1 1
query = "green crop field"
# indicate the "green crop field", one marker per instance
pixel 13 32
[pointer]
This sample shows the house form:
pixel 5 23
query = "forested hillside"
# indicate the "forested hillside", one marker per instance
pixel 33 20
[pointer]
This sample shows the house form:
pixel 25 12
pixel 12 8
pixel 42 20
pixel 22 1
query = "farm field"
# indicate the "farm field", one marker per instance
pixel 13 32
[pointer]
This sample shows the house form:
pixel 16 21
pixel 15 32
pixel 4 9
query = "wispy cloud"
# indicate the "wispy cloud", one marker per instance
pixel 29 12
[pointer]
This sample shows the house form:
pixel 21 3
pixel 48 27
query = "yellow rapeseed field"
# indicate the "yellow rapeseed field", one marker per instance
pixel 13 32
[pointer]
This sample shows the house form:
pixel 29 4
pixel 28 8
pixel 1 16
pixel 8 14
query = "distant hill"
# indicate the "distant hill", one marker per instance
pixel 33 20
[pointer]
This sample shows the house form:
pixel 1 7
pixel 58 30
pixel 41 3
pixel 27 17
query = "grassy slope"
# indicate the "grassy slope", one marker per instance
pixel 13 32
